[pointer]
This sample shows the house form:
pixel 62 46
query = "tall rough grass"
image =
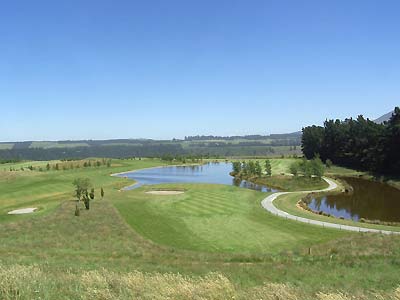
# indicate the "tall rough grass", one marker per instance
pixel 32 282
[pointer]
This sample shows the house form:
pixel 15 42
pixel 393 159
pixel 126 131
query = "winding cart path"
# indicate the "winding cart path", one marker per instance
pixel 268 204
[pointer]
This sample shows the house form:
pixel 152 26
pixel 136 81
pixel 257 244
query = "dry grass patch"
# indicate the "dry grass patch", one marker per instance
pixel 32 282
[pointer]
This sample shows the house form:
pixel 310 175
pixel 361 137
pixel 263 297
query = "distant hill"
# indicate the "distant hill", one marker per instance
pixel 205 146
pixel 384 118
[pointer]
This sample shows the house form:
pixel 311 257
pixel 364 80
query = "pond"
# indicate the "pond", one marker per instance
pixel 370 200
pixel 216 173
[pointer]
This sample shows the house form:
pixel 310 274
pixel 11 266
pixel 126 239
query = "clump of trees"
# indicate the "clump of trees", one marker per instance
pixel 309 168
pixel 182 158
pixel 361 143
pixel 250 168
pixel 82 186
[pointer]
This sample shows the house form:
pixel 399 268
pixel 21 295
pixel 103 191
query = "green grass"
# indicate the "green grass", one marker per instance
pixel 39 189
pixel 214 218
pixel 25 164
pixel 291 183
pixel 210 228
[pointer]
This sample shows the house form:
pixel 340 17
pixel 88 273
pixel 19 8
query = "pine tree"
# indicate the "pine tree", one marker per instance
pixel 268 167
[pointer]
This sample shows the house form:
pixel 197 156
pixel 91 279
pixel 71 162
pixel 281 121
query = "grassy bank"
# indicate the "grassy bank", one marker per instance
pixel 290 183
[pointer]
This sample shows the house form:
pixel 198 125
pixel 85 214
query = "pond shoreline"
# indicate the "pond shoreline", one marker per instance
pixel 361 200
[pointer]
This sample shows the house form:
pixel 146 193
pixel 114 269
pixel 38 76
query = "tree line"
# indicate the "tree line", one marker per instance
pixel 313 168
pixel 361 143
pixel 65 165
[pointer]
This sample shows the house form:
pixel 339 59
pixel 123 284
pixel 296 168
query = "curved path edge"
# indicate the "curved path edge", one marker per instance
pixel 267 204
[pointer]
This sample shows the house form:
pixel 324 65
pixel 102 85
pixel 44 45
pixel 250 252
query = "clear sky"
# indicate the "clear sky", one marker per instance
pixel 94 69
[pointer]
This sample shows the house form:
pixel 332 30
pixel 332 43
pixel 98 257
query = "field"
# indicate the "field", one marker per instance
pixel 212 242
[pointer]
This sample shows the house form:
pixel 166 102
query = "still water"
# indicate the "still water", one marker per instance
pixel 217 173
pixel 370 200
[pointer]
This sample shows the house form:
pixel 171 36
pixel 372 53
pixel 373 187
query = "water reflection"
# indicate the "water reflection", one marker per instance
pixel 370 200
pixel 212 172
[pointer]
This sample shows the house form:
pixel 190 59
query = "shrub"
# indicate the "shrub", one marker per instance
pixel 328 163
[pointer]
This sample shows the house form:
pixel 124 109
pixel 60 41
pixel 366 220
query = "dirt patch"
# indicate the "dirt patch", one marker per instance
pixel 165 192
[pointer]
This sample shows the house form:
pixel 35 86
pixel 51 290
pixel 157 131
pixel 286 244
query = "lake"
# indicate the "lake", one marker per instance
pixel 216 173
pixel 370 200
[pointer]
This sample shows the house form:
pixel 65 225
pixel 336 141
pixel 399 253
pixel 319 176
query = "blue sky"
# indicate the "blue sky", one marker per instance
pixel 83 69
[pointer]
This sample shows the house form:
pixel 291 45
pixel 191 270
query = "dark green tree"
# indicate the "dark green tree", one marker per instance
pixel 251 167
pixel 317 167
pixel 294 168
pixel 312 140
pixel 328 163
pixel 390 145
pixel 258 168
pixel 268 167
pixel 236 167
pixel 81 190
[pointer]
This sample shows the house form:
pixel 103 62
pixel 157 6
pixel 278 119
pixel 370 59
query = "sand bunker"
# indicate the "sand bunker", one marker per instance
pixel 165 192
pixel 22 211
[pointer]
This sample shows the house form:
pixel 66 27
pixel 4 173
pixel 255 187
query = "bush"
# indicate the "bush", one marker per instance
pixel 294 168
pixel 328 163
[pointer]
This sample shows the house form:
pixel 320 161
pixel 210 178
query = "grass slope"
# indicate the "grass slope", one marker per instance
pixel 214 218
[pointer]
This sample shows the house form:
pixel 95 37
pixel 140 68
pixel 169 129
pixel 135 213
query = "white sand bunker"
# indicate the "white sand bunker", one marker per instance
pixel 165 192
pixel 22 211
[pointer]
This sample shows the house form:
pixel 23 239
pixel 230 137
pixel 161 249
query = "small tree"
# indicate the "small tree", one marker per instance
pixel 57 167
pixel 303 166
pixel 328 163
pixel 317 167
pixel 81 190
pixel 48 167
pixel 102 193
pixel 244 168
pixel 268 167
pixel 251 167
pixel 294 168
pixel 308 169
pixel 86 200
pixel 258 169
pixel 236 167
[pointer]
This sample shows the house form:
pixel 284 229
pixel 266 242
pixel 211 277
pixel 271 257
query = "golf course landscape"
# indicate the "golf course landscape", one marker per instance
pixel 209 241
